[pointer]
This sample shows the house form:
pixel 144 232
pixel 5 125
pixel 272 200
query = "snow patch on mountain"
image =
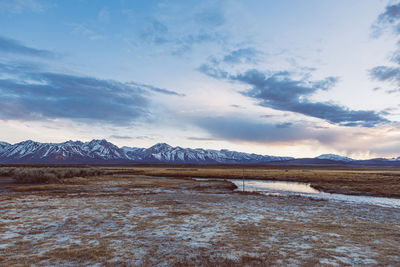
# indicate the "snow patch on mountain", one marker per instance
pixel 334 157
pixel 3 146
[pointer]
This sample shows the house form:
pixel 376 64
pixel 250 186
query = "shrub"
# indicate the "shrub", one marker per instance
pixel 48 175
pixel 6 171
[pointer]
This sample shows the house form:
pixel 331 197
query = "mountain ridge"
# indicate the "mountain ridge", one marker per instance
pixel 100 151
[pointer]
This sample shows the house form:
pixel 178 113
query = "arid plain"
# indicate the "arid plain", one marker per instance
pixel 159 215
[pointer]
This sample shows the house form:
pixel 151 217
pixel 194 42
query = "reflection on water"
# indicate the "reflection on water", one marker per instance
pixel 276 186
pixel 301 189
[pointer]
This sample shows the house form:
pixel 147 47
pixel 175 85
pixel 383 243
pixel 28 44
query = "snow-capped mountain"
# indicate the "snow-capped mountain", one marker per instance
pixel 70 151
pixel 334 157
pixel 101 151
pixel 104 152
pixel 165 153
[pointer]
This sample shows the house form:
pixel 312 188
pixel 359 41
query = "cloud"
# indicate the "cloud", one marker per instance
pixel 280 91
pixel 239 129
pixel 176 40
pixel 242 55
pixel 385 73
pixel 123 137
pixel 29 92
pixel 155 32
pixel 236 106
pixel 11 46
pixel 176 30
pixel 103 16
pixel 193 138
pixel 81 29
pixel 17 6
pixel 284 125
pixel 211 71
pixel 44 95
pixel 390 17
pixel 211 17
pixel 155 89
pixel 345 140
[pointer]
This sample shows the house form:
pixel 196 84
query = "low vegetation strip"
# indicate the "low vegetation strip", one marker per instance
pixel 371 182
pixel 40 175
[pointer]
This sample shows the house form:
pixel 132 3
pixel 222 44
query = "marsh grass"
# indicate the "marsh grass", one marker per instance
pixel 385 183
pixel 48 175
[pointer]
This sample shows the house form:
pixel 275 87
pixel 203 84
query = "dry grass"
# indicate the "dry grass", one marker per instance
pixel 132 220
pixel 42 175
pixel 80 254
pixel 206 260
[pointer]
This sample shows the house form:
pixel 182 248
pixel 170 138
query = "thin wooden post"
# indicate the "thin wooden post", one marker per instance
pixel 243 179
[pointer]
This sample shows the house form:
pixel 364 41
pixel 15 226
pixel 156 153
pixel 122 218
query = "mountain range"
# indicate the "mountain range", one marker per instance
pixel 104 152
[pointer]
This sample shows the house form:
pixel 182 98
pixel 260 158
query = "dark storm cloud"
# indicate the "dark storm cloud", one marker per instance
pixel 281 92
pixel 11 46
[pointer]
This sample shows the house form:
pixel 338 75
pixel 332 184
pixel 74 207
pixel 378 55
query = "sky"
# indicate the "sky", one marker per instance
pixel 286 78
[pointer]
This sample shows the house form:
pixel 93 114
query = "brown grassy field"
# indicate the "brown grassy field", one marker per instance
pixel 130 219
pixel 372 182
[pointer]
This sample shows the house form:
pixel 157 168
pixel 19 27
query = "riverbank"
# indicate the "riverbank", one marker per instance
pixel 368 182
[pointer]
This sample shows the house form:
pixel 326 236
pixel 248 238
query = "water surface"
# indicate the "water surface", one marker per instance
pixel 302 189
